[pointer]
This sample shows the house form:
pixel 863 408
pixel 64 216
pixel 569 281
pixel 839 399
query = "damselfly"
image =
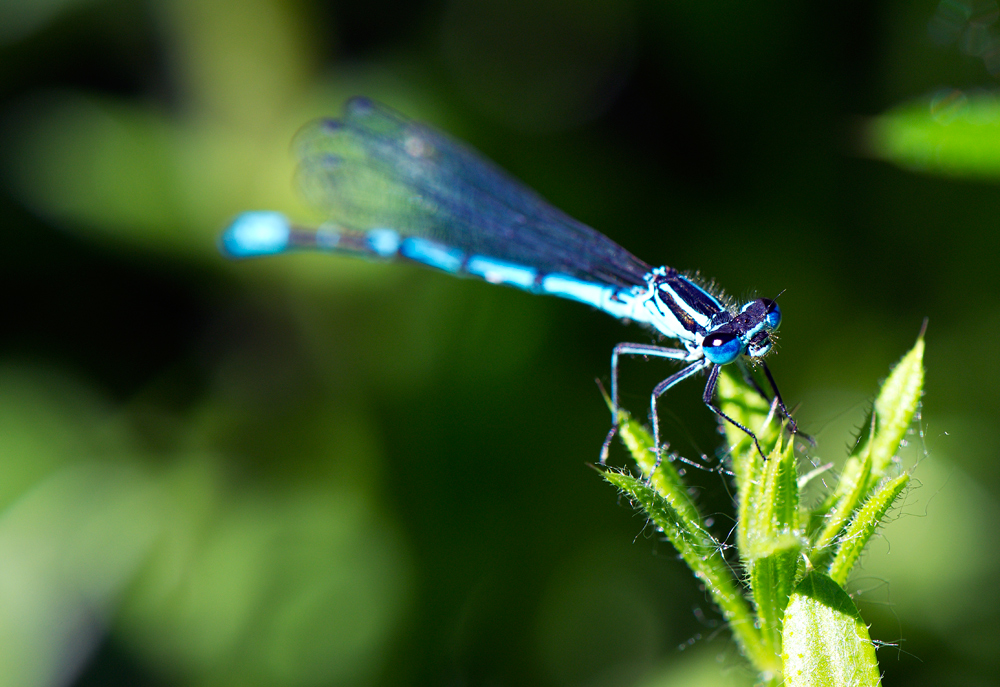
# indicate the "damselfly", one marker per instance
pixel 398 189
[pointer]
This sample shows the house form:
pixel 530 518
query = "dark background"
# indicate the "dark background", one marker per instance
pixel 308 470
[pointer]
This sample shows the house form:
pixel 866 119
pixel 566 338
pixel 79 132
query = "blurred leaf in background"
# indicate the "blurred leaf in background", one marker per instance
pixel 311 470
pixel 952 133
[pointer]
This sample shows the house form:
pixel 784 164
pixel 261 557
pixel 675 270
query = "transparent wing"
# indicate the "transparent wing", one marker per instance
pixel 376 169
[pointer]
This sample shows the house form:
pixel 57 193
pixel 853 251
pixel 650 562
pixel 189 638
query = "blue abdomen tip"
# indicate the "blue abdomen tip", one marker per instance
pixel 256 233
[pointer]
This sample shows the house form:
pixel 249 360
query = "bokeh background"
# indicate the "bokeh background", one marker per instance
pixel 309 470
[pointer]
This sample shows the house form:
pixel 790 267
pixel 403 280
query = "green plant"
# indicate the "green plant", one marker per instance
pixel 789 614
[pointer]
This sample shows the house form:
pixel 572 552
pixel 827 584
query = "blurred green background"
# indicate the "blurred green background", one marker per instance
pixel 310 470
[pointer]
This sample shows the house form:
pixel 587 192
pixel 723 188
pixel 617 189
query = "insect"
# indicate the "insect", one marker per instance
pixel 396 189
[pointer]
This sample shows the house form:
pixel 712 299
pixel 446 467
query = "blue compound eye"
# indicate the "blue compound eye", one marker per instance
pixel 722 348
pixel 773 317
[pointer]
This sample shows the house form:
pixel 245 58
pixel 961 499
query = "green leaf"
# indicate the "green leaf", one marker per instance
pixel 892 414
pixel 742 403
pixel 667 481
pixel 850 492
pixel 825 642
pixel 694 544
pixel 863 527
pixel 703 554
pixel 773 541
pixel 950 133
pixel 895 408
pixel 775 509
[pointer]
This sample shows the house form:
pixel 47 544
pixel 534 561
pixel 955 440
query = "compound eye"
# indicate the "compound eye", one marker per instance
pixel 722 348
pixel 772 318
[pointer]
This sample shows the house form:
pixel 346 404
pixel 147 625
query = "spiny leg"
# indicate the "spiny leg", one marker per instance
pixel 658 391
pixel 792 426
pixel 713 379
pixel 644 350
